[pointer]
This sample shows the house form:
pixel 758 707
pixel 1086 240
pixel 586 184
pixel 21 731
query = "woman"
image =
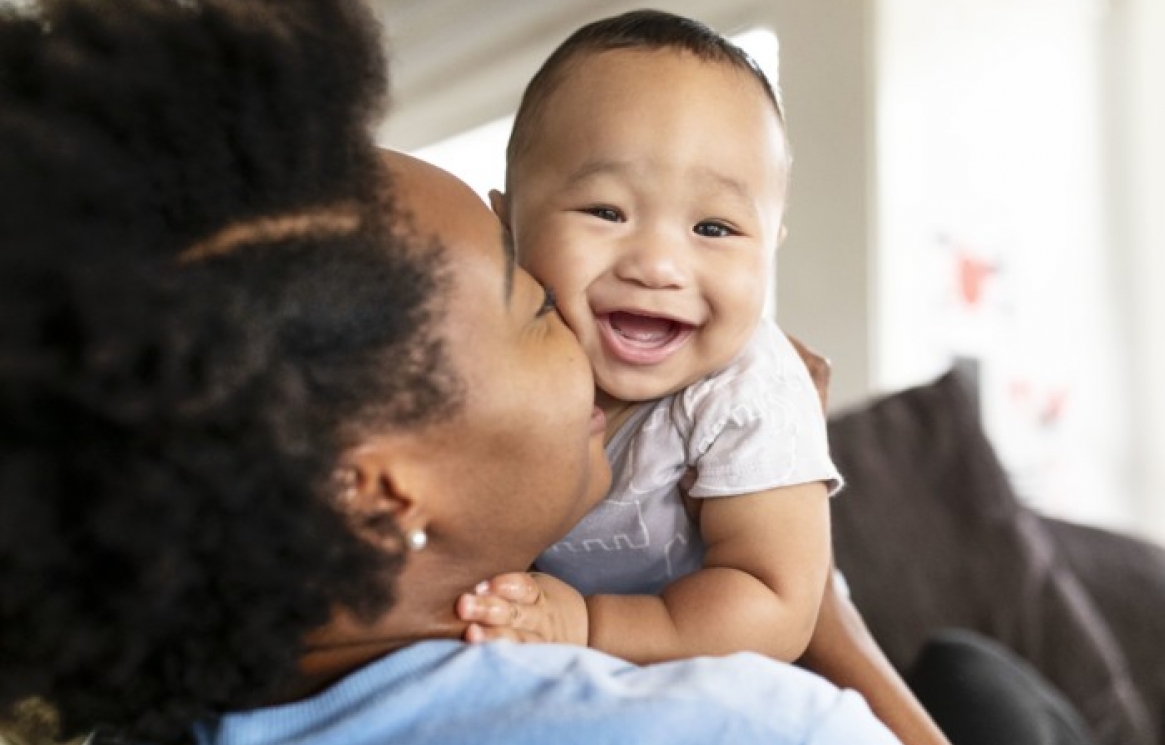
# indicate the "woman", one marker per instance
pixel 273 401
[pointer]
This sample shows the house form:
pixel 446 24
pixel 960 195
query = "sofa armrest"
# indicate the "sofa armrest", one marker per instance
pixel 1125 577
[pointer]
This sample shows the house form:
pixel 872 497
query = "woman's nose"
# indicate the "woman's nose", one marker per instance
pixel 652 260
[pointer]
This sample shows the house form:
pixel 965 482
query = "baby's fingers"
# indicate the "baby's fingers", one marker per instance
pixel 478 633
pixel 519 587
pixel 488 610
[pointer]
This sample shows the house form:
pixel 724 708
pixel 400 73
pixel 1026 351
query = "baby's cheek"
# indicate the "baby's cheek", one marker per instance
pixel 596 357
pixel 579 322
pixel 538 257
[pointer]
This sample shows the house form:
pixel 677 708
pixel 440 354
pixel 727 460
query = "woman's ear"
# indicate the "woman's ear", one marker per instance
pixel 376 484
pixel 501 206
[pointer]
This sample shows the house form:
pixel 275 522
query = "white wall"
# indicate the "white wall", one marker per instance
pixel 1012 142
pixel 824 288
pixel 1137 147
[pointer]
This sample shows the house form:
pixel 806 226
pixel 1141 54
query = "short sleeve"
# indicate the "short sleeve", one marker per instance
pixel 757 424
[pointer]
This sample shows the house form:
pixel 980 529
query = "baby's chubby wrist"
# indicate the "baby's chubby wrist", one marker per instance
pixel 565 608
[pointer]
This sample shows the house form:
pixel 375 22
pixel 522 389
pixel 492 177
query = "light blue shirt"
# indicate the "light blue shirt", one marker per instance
pixel 502 693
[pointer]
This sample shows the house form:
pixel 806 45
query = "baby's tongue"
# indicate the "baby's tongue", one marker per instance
pixel 642 329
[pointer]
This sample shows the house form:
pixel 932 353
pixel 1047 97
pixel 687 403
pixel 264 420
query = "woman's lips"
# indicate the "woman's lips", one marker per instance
pixel 641 339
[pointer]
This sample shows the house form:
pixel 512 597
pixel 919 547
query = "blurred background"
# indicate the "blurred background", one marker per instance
pixel 977 183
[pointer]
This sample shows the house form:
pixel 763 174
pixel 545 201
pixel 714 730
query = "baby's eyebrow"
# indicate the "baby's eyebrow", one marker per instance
pixel 724 181
pixel 705 174
pixel 598 168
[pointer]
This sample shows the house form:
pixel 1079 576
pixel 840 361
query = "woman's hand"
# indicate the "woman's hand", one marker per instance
pixel 525 607
pixel 819 368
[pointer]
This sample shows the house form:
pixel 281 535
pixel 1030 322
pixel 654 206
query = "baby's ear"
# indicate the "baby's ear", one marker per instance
pixel 501 206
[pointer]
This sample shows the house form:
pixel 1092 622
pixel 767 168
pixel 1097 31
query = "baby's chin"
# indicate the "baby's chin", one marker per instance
pixel 639 386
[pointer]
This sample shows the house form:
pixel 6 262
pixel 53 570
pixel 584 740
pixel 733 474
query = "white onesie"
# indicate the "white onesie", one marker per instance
pixel 753 426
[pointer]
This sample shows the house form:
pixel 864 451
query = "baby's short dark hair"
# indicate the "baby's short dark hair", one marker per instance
pixel 648 30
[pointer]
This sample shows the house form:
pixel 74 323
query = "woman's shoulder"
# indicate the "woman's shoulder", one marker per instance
pixel 500 692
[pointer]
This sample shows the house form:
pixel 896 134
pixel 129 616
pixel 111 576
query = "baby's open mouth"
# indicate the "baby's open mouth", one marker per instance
pixel 642 339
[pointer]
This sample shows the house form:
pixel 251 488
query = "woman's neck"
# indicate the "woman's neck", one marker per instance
pixel 348 643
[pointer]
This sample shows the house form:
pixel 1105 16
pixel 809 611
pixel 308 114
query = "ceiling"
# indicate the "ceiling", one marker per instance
pixel 459 63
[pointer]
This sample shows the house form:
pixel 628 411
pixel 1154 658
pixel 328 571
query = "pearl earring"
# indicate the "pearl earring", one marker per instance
pixel 416 539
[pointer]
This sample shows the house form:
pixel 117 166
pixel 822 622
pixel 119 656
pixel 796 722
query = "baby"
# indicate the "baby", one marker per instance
pixel 647 173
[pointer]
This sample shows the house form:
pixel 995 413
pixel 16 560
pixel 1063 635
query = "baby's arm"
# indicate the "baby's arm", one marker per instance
pixel 843 651
pixel 764 571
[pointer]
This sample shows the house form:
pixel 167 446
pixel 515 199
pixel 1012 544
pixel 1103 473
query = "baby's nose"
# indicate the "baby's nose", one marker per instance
pixel 653 260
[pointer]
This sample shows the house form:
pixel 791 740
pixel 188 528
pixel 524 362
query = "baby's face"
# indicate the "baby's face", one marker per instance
pixel 651 200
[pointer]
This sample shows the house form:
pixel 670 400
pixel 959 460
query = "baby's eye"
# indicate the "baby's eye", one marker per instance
pixel 711 229
pixel 610 214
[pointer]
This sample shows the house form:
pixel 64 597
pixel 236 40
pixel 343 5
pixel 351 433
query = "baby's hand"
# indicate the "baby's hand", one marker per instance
pixel 524 607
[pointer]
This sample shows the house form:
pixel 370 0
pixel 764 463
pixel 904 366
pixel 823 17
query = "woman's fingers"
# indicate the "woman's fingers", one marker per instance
pixel 819 368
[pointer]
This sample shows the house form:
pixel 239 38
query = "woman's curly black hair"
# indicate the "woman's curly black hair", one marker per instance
pixel 168 431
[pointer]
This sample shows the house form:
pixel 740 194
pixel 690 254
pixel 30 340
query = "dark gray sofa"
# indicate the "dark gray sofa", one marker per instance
pixel 930 536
